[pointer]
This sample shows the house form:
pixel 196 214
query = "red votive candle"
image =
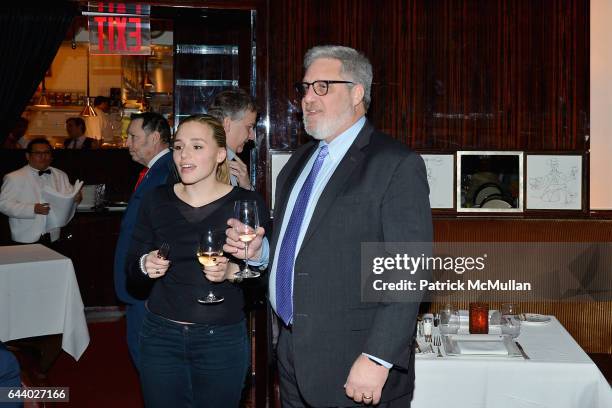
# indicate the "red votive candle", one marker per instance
pixel 479 318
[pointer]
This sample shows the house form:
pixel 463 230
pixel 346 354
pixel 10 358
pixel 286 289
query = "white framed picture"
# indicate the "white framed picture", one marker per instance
pixel 276 161
pixel 554 182
pixel 441 177
pixel 489 181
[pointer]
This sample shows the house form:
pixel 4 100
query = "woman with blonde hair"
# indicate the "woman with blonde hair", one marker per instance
pixel 191 354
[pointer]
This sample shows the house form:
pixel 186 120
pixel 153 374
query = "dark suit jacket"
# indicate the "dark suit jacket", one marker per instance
pixel 161 172
pixel 87 143
pixel 378 192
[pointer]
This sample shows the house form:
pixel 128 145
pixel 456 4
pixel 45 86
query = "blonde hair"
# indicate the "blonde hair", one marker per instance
pixel 218 133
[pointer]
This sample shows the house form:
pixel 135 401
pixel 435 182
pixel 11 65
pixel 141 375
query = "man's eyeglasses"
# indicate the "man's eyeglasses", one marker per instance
pixel 39 154
pixel 319 87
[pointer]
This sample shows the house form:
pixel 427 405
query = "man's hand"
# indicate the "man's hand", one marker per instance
pixel 79 196
pixel 239 169
pixel 41 208
pixel 234 246
pixel 365 381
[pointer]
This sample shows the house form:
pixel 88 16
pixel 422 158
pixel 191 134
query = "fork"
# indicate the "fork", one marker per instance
pixel 163 251
pixel 437 341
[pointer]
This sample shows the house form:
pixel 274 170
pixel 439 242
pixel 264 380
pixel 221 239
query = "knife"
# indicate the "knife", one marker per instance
pixel 518 345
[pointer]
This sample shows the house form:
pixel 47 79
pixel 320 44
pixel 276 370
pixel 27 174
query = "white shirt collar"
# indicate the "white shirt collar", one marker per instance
pixel 156 157
pixel 35 171
pixel 340 145
pixel 230 154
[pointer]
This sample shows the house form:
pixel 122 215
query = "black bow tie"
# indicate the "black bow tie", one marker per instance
pixel 41 172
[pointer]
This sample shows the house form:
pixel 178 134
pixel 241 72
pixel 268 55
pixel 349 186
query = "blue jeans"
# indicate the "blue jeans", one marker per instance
pixel 134 315
pixel 192 365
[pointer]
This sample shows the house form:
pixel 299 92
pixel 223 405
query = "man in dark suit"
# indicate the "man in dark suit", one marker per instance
pixel 148 140
pixel 75 127
pixel 350 185
pixel 237 111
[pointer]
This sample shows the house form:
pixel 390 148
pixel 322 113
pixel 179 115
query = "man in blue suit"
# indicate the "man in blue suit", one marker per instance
pixel 10 375
pixel 148 140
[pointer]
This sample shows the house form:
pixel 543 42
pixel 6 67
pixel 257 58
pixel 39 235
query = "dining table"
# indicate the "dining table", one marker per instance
pixel 551 371
pixel 39 296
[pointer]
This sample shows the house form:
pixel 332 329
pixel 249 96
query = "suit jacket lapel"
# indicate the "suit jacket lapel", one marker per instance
pixel 290 179
pixel 163 161
pixel 35 186
pixel 337 182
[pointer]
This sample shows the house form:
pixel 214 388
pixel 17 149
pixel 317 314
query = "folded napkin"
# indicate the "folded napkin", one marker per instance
pixel 425 347
pixel 481 344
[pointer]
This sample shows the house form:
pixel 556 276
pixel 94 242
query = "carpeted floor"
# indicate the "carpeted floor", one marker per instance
pixel 104 376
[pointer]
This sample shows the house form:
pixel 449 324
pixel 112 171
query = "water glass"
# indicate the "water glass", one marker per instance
pixel 509 309
pixel 427 328
pixel 511 325
pixel 449 319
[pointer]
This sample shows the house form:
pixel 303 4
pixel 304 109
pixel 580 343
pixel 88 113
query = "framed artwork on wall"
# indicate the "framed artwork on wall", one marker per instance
pixel 441 178
pixel 554 182
pixel 489 181
pixel 276 161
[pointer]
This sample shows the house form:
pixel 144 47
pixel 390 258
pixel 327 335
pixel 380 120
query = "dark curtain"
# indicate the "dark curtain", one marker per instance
pixel 30 36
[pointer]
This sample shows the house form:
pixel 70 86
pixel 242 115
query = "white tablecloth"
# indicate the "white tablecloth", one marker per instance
pixel 39 295
pixel 559 374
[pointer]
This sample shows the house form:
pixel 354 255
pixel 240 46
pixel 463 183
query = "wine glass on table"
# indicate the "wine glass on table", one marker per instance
pixel 210 247
pixel 245 211
pixel 510 324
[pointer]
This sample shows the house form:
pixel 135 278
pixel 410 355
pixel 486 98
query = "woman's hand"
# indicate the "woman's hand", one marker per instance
pixel 222 270
pixel 155 266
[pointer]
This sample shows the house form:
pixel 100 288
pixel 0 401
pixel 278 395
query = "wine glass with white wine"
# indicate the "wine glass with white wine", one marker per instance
pixel 210 247
pixel 245 211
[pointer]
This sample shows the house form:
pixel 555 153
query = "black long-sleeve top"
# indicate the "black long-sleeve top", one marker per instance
pixel 163 217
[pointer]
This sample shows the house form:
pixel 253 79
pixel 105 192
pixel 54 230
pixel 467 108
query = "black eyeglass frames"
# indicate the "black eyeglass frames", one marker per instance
pixel 320 87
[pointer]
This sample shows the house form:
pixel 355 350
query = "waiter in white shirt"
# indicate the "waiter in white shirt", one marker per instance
pixel 100 127
pixel 237 111
pixel 21 195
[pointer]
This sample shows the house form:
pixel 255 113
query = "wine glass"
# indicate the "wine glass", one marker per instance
pixel 210 247
pixel 510 324
pixel 245 211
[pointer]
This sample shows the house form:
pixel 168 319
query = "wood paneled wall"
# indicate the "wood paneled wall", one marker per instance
pixel 448 74
pixel 590 323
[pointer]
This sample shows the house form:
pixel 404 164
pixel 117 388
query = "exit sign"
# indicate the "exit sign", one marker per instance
pixel 119 28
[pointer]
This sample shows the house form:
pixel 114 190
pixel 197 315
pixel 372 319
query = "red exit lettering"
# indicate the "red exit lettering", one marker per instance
pixel 118 30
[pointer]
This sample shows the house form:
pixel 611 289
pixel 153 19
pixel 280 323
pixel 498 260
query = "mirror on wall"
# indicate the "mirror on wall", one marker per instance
pixel 489 181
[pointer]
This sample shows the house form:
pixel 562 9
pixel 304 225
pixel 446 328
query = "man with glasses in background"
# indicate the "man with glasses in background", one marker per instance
pixel 21 195
pixel 350 185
